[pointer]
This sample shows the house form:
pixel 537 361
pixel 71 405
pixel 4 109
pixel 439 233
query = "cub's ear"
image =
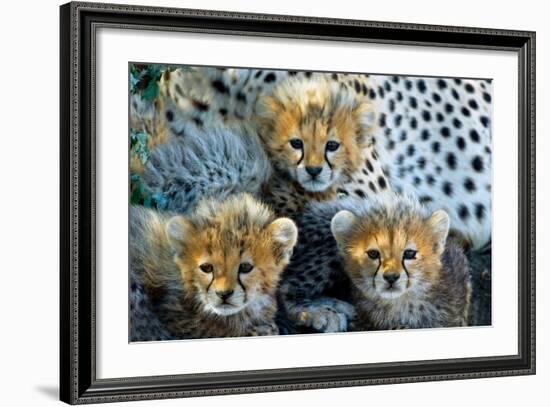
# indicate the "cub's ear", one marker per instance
pixel 366 117
pixel 440 223
pixel 341 225
pixel 179 230
pixel 285 233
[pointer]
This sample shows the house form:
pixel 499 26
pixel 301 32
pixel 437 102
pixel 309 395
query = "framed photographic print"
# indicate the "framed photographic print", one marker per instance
pixel 309 202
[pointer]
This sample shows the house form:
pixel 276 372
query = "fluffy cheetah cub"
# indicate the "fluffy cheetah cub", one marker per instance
pixel 212 273
pixel 404 272
pixel 315 132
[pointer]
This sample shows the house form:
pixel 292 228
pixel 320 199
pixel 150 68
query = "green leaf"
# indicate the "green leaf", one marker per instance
pixel 151 91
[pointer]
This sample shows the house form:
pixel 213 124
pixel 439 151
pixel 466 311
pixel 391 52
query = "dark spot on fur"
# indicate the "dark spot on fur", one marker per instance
pixel 203 107
pixel 447 188
pixel 220 86
pixel 425 199
pixel 469 185
pixel 270 77
pixel 480 211
pixel 382 120
pixel 372 187
pixel 474 136
pixel 463 212
pixel 477 164
pixel 451 161
pixel 461 143
pixel 241 97
pixel 382 182
pixel 369 165
pixel 455 94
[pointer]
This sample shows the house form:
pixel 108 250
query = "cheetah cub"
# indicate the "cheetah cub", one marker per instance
pixel 404 272
pixel 212 273
pixel 316 132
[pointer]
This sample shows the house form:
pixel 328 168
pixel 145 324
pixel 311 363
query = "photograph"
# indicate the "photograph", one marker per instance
pixel 283 202
pixel 257 202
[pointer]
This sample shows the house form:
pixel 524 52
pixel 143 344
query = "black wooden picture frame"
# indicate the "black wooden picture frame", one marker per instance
pixel 78 381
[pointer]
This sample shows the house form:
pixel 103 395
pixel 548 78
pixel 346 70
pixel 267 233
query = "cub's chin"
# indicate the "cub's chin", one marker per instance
pixel 225 309
pixel 390 293
pixel 315 186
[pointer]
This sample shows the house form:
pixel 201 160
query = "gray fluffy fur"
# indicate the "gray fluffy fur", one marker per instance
pixel 215 162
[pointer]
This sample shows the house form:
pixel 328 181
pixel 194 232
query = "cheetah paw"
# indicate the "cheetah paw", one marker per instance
pixel 326 315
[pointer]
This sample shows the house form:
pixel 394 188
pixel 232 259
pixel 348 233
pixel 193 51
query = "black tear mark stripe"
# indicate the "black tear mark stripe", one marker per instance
pixel 327 160
pixel 376 272
pixel 301 157
pixel 242 286
pixel 210 284
pixel 406 272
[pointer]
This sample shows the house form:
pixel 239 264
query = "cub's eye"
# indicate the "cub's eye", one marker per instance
pixel 409 254
pixel 206 267
pixel 332 145
pixel 297 143
pixel 373 254
pixel 245 268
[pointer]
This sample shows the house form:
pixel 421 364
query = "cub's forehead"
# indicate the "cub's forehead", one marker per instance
pixel 383 227
pixel 231 244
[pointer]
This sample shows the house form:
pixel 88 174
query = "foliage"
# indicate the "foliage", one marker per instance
pixel 144 79
pixel 138 193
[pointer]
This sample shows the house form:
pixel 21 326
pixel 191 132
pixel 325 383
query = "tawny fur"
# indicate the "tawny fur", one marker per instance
pixel 432 288
pixel 315 123
pixel 182 264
